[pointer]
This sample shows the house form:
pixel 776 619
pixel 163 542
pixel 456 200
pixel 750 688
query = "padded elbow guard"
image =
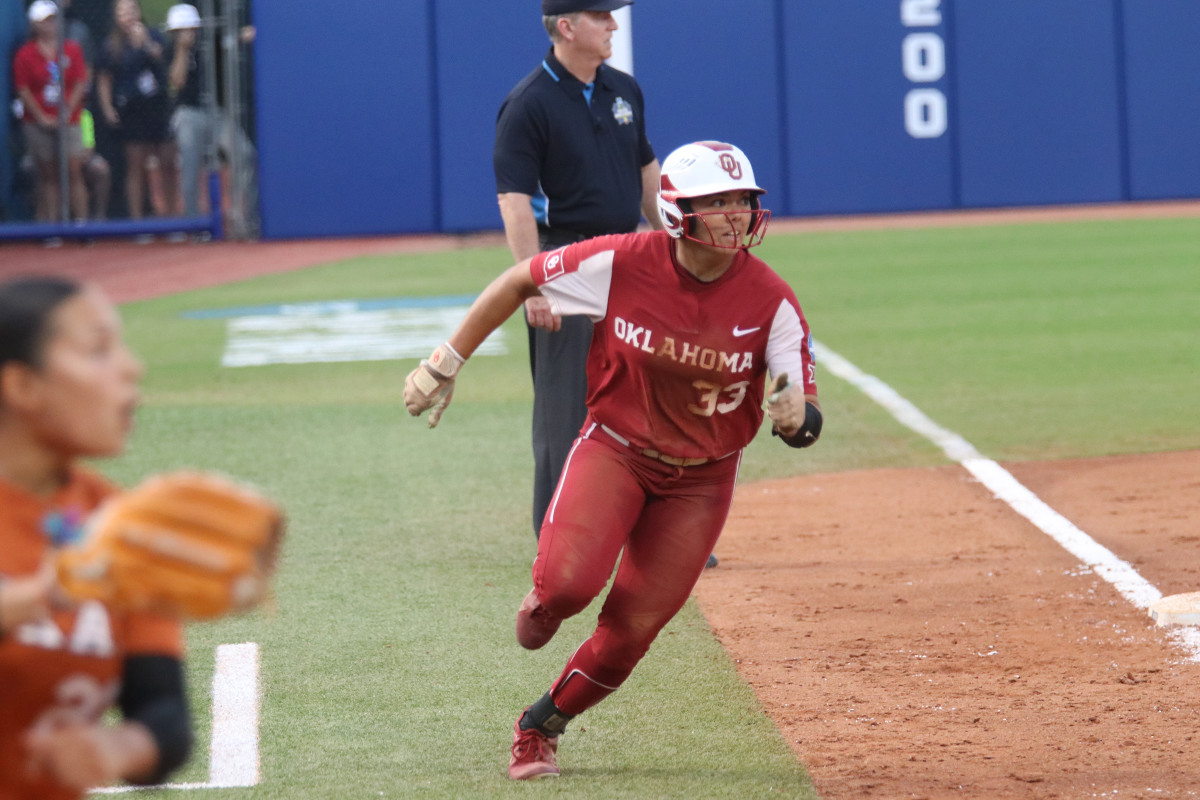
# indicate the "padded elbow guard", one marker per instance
pixel 809 432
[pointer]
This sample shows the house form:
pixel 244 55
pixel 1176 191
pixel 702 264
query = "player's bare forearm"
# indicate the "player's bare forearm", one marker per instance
pixel 497 303
pixel 82 755
pixel 138 750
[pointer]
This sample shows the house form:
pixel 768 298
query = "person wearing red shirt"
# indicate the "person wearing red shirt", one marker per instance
pixel 68 390
pixel 687 326
pixel 44 84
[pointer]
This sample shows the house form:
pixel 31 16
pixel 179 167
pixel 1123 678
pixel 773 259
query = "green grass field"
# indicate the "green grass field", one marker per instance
pixel 389 667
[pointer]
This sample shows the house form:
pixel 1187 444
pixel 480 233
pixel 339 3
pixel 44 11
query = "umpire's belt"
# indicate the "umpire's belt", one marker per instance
pixel 666 459
pixel 554 238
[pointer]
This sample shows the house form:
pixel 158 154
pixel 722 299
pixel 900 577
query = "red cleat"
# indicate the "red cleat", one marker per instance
pixel 533 754
pixel 534 626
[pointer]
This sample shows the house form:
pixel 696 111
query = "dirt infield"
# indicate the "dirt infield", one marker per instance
pixel 911 635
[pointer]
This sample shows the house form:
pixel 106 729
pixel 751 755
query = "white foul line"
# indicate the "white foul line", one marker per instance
pixel 1124 578
pixel 233 752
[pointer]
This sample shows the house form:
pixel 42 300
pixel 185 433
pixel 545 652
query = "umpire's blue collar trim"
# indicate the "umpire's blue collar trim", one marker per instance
pixel 558 72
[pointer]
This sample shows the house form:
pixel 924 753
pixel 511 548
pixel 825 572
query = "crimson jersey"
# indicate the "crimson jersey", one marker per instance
pixel 67 668
pixel 677 364
pixel 34 71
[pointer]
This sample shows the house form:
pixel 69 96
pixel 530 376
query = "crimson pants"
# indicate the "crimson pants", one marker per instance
pixel 666 518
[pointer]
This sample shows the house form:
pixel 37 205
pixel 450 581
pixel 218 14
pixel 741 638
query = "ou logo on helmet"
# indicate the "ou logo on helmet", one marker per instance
pixel 731 165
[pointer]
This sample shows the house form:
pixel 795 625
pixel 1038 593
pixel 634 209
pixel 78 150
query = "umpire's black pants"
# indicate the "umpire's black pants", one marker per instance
pixel 558 364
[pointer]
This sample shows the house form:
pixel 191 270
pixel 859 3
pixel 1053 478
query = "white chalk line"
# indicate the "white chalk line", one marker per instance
pixel 1102 561
pixel 233 750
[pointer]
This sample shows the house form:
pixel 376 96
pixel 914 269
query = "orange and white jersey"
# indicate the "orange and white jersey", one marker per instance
pixel 66 668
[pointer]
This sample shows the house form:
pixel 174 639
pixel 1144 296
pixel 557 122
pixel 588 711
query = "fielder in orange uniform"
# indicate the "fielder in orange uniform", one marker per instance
pixel 687 325
pixel 68 390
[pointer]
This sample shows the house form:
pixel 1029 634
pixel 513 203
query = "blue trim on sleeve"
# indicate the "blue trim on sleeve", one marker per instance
pixel 541 207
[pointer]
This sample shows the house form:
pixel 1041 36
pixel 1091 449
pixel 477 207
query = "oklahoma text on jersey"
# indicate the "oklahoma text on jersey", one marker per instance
pixel 685 353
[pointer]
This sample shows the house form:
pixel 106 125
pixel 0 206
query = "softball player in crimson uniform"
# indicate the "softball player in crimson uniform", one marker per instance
pixel 68 389
pixel 687 326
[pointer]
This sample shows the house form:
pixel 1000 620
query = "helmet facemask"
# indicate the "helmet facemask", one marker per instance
pixel 696 225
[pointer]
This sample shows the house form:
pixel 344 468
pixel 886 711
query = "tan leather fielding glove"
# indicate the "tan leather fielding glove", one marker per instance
pixel 189 545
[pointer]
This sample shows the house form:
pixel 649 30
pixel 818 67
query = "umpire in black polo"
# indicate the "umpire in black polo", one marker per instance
pixel 572 161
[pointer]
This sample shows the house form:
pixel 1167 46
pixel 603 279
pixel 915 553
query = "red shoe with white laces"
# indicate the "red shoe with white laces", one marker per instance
pixel 534 626
pixel 533 754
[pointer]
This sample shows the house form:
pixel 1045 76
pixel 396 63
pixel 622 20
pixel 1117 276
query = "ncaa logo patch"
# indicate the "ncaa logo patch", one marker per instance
pixel 553 266
pixel 622 111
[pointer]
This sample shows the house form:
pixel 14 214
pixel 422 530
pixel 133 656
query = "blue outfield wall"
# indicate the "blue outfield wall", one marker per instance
pixel 378 117
pixel 1038 102
pixel 713 81
pixel 850 71
pixel 344 118
pixel 1162 76
pixel 475 71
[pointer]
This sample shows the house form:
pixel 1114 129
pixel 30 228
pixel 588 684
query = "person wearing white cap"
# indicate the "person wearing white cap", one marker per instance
pixel 43 85
pixel 183 17
pixel 193 124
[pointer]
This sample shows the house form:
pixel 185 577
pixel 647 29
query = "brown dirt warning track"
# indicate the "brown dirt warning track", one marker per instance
pixel 910 634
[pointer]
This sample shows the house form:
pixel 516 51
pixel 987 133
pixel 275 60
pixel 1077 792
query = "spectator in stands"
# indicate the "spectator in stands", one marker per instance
pixel 194 124
pixel 132 88
pixel 97 175
pixel 43 84
pixel 96 171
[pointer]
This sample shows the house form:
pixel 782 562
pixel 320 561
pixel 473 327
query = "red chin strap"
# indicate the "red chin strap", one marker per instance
pixel 753 237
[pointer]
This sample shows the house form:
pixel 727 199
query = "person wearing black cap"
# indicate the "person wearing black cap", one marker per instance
pixel 572 161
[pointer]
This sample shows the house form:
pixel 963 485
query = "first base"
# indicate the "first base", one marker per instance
pixel 1177 609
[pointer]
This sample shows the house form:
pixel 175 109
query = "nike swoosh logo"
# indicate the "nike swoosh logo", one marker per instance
pixel 740 332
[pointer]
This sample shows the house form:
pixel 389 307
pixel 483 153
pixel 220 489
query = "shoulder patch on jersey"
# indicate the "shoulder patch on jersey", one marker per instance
pixel 553 266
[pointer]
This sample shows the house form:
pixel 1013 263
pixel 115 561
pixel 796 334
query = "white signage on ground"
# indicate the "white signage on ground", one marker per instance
pixel 324 332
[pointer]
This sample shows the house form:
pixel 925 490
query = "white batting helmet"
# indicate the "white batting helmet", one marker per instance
pixel 704 168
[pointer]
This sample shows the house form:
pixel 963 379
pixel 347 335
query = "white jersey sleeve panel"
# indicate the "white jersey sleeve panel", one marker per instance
pixel 583 290
pixel 785 345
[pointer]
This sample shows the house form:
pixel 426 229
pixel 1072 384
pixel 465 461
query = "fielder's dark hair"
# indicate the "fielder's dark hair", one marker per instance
pixel 26 305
